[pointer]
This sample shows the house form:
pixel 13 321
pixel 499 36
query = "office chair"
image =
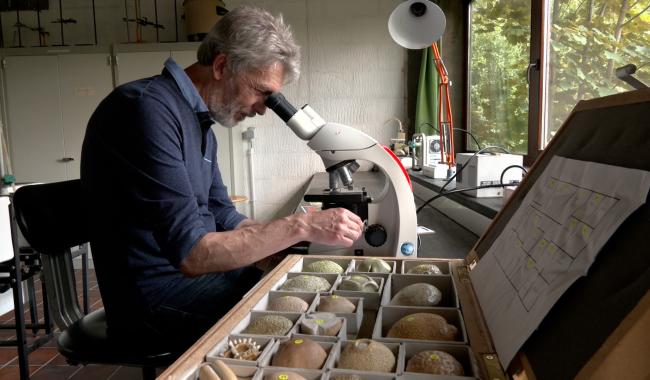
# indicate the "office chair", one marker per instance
pixel 51 218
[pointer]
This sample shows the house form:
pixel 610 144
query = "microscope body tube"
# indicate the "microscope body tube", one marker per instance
pixel 304 123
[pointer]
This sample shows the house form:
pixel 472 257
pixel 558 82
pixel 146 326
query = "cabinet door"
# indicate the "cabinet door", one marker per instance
pixel 132 66
pixel 34 118
pixel 85 79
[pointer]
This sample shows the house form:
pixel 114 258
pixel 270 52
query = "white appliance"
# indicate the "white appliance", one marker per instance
pixel 486 169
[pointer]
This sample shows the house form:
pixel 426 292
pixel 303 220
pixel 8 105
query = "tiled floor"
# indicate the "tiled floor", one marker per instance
pixel 46 363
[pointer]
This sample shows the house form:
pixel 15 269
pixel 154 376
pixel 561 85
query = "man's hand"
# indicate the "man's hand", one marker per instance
pixel 335 226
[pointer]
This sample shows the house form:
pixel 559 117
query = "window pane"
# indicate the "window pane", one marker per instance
pixel 499 55
pixel 589 40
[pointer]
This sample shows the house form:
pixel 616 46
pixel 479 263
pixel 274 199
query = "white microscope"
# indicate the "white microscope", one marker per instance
pixel 391 222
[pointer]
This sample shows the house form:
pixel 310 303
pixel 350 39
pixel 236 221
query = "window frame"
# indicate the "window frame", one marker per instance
pixel 538 67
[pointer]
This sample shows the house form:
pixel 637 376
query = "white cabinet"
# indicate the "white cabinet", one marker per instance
pixel 49 99
pixel 34 118
pixel 50 94
pixel 136 61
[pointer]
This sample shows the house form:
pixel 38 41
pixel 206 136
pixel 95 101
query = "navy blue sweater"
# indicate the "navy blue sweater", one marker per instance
pixel 152 189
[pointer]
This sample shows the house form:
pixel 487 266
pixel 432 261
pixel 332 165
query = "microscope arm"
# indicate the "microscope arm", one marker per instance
pixel 338 143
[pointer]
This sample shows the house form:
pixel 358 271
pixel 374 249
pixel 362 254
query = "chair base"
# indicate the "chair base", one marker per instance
pixel 86 342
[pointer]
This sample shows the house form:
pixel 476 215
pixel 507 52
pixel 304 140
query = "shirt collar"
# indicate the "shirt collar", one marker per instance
pixel 189 91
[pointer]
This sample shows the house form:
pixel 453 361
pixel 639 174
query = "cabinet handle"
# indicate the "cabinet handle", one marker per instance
pixel 66 159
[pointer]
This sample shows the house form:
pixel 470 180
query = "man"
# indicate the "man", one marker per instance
pixel 171 253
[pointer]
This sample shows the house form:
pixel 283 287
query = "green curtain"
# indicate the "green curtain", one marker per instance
pixel 426 109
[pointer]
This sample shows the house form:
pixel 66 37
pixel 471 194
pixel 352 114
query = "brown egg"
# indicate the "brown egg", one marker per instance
pixel 435 362
pixel 284 375
pixel 425 326
pixel 288 304
pixel 367 355
pixel 336 304
pixel 299 353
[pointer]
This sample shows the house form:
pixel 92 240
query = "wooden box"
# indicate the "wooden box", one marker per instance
pixel 599 328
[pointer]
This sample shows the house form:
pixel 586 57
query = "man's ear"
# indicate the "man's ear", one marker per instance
pixel 218 66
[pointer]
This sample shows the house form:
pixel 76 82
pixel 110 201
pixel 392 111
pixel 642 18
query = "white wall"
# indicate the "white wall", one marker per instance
pixel 352 73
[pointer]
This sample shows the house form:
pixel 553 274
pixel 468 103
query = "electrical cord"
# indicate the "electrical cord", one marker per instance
pixel 453 192
pixel 455 129
pixel 511 167
pixel 445 193
pixel 442 189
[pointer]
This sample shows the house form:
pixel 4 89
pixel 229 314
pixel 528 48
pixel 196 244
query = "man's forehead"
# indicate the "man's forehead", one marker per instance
pixel 270 77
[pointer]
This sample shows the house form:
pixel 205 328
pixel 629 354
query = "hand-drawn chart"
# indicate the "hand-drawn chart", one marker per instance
pixel 551 240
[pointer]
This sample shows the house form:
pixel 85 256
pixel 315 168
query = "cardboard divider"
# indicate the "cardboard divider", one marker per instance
pixel 309 297
pixel 344 263
pixel 328 346
pixel 443 283
pixel 355 263
pixel 333 279
pixel 244 322
pixel 388 315
pixel 342 334
pixel 278 373
pixel 409 264
pixel 463 354
pixel 396 348
pixel 371 300
pixel 353 320
pixel 266 344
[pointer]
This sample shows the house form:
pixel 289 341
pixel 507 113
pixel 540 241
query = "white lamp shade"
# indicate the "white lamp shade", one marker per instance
pixel 416 32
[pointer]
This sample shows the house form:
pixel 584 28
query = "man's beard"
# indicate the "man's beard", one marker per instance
pixel 224 114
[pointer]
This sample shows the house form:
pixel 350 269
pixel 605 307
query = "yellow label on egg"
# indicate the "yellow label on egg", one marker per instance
pixel 282 376
pixel 319 321
pixel 409 319
pixel 298 341
pixel 434 357
pixel 335 297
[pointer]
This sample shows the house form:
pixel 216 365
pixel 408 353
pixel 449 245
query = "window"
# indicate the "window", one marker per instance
pixel 499 53
pixel 579 43
pixel 588 41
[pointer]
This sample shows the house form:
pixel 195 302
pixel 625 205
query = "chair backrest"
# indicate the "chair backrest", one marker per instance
pixel 52 220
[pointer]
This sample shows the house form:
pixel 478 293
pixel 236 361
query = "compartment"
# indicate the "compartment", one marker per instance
pixel 262 305
pixel 354 266
pixel 371 300
pixel 444 283
pixel 462 354
pixel 333 279
pixel 243 372
pixel 328 345
pixel 394 347
pixel 442 264
pixel 265 343
pixel 344 263
pixel 353 320
pixel 388 315
pixel 342 334
pixel 244 322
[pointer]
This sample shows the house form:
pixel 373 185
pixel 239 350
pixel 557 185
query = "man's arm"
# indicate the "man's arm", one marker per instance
pixel 250 242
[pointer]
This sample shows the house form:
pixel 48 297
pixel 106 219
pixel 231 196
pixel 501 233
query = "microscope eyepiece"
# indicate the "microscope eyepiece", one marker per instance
pixel 280 106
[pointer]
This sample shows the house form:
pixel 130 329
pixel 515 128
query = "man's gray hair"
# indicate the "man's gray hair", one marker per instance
pixel 252 39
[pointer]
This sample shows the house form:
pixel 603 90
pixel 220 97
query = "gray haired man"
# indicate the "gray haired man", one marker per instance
pixel 172 254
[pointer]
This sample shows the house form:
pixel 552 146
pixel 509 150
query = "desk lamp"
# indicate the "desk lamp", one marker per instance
pixel 417 24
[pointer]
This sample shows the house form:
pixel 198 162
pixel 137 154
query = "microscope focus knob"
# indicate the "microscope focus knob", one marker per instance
pixel 376 235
